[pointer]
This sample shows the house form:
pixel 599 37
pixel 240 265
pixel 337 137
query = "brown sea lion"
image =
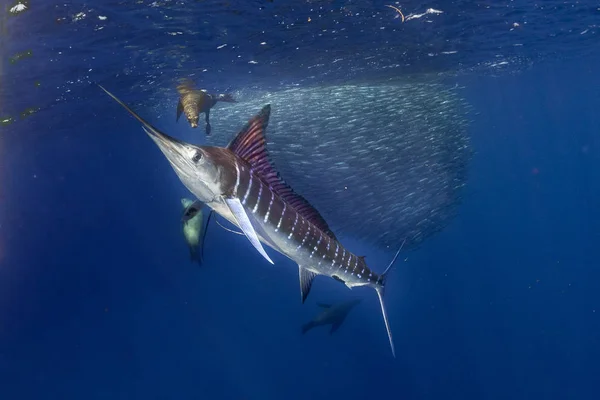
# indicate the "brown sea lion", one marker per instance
pixel 194 102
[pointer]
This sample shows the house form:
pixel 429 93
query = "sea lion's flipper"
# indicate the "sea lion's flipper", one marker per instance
pixel 227 98
pixel 207 113
pixel 179 110
pixel 195 256
pixel 204 235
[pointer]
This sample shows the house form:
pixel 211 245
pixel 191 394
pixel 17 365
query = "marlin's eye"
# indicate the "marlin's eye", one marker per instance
pixel 197 156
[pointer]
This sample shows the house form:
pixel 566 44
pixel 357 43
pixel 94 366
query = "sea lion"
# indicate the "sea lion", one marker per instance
pixel 192 227
pixel 194 102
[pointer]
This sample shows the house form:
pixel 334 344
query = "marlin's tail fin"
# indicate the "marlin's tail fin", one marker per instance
pixel 227 98
pixel 380 289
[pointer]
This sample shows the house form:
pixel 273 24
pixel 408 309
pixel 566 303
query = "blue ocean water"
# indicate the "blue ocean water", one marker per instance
pixel 99 300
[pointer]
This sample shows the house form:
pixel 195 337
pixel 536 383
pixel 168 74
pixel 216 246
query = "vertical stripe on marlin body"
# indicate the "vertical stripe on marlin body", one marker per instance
pixel 240 183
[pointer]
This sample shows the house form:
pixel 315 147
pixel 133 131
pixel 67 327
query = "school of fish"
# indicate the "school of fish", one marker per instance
pixel 394 154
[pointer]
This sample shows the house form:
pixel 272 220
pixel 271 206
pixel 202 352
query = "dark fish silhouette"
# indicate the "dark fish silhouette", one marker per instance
pixel 331 315
pixel 194 102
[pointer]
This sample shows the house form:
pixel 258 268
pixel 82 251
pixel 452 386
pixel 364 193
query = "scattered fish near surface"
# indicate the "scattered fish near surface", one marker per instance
pixel 240 183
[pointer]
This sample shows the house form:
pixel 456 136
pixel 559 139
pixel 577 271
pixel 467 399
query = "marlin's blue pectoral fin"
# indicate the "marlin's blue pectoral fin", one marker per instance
pixel 238 212
pixel 306 280
pixel 323 305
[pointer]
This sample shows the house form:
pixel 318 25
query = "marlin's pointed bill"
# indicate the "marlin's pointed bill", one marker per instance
pixel 170 146
pixel 184 158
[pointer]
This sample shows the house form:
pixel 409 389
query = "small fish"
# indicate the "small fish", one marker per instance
pixel 331 315
pixel 240 183
pixel 194 102
pixel 192 220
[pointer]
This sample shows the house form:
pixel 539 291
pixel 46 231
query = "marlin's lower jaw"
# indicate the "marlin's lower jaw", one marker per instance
pixel 175 153
pixel 172 148
pixel 168 146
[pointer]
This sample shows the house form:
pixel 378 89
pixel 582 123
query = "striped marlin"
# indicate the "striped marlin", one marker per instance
pixel 240 183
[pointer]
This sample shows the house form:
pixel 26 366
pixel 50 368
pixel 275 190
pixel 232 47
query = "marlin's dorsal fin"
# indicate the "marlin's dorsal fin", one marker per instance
pixel 250 145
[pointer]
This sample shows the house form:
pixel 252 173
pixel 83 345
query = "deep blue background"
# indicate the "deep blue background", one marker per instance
pixel 98 298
